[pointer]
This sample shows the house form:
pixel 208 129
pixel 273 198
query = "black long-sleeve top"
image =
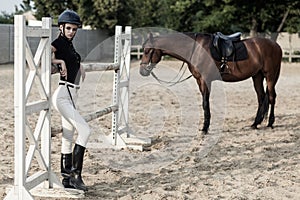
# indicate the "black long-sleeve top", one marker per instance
pixel 66 51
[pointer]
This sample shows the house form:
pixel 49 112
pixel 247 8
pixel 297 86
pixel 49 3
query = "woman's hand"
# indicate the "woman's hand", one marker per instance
pixel 63 70
pixel 61 64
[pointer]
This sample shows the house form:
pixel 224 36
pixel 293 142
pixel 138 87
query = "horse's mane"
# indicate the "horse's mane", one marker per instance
pixel 192 35
pixel 195 34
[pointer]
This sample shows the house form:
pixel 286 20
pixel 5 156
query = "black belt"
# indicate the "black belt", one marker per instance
pixel 69 85
pixel 72 86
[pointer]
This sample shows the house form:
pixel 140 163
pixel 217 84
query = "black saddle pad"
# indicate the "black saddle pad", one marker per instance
pixel 240 52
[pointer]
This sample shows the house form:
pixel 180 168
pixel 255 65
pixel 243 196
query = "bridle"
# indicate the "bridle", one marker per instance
pixel 149 66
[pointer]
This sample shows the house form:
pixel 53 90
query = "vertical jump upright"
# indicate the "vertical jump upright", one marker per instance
pixel 39 138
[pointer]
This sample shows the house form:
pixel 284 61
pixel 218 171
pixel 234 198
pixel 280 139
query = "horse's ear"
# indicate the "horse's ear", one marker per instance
pixel 150 36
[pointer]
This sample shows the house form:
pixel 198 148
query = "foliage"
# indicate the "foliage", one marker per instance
pixel 25 6
pixel 226 16
pixel 104 13
pixel 109 13
pixel 239 15
pixel 6 18
pixel 46 8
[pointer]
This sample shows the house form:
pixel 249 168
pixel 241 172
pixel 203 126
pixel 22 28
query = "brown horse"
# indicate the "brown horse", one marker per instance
pixel 263 62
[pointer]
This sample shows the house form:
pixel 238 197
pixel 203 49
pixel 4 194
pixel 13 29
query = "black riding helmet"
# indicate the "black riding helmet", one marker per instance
pixel 69 16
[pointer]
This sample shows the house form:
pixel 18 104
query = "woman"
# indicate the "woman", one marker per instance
pixel 65 56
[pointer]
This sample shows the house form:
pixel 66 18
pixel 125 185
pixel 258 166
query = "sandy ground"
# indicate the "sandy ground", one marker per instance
pixel 231 162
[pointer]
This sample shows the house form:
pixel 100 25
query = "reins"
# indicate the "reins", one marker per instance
pixel 180 80
pixel 172 82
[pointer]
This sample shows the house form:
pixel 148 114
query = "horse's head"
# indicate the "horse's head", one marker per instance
pixel 151 56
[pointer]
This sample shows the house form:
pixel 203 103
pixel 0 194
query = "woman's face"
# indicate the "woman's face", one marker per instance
pixel 69 30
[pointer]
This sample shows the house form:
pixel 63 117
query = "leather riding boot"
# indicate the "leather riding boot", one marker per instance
pixel 75 178
pixel 65 169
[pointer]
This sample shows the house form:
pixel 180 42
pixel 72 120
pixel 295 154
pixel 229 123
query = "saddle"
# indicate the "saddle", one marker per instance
pixel 223 43
pixel 228 47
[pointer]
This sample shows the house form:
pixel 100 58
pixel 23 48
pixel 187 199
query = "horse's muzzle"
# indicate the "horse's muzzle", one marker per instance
pixel 145 69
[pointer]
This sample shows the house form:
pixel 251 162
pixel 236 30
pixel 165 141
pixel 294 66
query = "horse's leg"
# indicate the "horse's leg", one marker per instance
pixel 272 116
pixel 205 91
pixel 272 75
pixel 272 100
pixel 261 97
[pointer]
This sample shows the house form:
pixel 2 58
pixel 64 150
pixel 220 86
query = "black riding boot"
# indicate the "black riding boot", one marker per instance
pixel 65 169
pixel 75 179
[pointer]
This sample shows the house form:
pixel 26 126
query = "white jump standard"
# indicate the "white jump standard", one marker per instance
pixel 39 140
pixel 121 135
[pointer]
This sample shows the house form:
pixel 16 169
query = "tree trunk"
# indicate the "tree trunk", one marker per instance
pixel 275 35
pixel 253 30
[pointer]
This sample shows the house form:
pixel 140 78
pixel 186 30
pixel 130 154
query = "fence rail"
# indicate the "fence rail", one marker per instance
pixel 87 40
pixel 291 54
pixel 290 44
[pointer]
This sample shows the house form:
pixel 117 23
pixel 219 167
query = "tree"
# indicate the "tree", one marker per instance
pixel 215 16
pixel 291 17
pixel 6 18
pixel 46 8
pixel 25 6
pixel 226 16
pixel 99 13
pixel 247 16
pixel 150 13
pixel 106 14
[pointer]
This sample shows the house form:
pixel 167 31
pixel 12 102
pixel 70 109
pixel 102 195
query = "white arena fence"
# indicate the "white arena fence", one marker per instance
pixel 38 145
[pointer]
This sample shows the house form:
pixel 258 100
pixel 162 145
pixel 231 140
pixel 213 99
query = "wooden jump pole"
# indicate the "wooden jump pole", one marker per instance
pixel 100 113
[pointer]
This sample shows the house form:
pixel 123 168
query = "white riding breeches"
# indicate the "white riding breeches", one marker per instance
pixel 71 118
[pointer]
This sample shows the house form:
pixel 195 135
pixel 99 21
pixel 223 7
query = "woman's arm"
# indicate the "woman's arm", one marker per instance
pixel 61 63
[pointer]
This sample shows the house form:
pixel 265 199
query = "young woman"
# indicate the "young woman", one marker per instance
pixel 64 98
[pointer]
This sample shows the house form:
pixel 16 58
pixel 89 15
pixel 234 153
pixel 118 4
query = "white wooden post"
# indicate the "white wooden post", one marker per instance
pixel 122 135
pixel 115 138
pixel 124 79
pixel 39 139
pixel 19 190
pixel 46 81
pixel 39 73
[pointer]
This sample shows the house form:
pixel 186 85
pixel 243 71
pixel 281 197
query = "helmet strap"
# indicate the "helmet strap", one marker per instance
pixel 62 29
pixel 63 32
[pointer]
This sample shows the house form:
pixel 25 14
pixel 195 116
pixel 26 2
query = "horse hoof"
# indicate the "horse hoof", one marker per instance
pixel 254 126
pixel 270 125
pixel 204 131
